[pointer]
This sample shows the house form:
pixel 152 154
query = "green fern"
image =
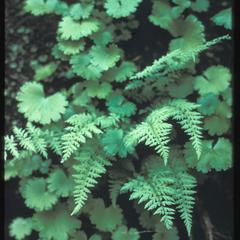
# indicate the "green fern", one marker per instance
pixel 11 146
pixel 24 139
pixel 81 127
pixel 53 139
pixel 157 191
pixel 176 60
pixel 93 119
pixel 89 166
pixel 154 131
pixel 31 139
pixel 114 189
pixel 184 190
pixel 190 121
pixel 162 189
pixel 38 139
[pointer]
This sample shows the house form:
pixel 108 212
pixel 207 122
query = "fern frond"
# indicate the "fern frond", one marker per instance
pixel 11 146
pixel 184 199
pixel 30 138
pixel 157 191
pixel 38 139
pixel 89 167
pixel 81 127
pixel 114 190
pixel 190 121
pixel 154 132
pixel 108 121
pixel 24 139
pixel 53 138
pixel 176 60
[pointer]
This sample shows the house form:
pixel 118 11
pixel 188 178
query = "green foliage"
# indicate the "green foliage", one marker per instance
pixel 45 71
pixel 214 80
pixel 184 199
pixel 208 103
pixel 36 195
pixel 161 190
pixel 154 130
pixel 223 18
pixel 88 168
pixel 217 156
pixel 121 8
pixel 81 127
pixel 81 10
pixel 117 104
pixel 161 233
pixel 104 58
pixel 20 228
pixel 190 121
pixel 31 139
pixel 55 224
pixel 40 7
pixel 59 183
pixel 38 108
pixel 200 5
pixel 77 142
pixel 105 218
pixel 70 29
pixel 24 165
pixel 123 233
pixel 177 60
pixel 113 142
pixel 82 66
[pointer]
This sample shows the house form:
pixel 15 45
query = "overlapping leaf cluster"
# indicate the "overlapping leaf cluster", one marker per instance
pixel 83 139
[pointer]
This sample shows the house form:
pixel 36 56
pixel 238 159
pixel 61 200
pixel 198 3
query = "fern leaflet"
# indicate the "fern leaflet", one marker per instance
pixel 184 199
pixel 81 127
pixel 157 191
pixel 190 120
pixel 89 167
pixel 31 139
pixel 11 145
pixel 154 132
pixel 176 60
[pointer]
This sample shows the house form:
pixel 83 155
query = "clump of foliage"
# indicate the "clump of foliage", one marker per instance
pixel 91 131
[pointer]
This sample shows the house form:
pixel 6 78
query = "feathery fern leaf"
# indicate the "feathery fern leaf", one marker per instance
pixel 157 191
pixel 176 60
pixel 81 127
pixel 31 139
pixel 190 120
pixel 154 132
pixel 184 199
pixel 89 167
pixel 11 146
pixel 53 139
pixel 38 139
pixel 24 139
pixel 114 190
